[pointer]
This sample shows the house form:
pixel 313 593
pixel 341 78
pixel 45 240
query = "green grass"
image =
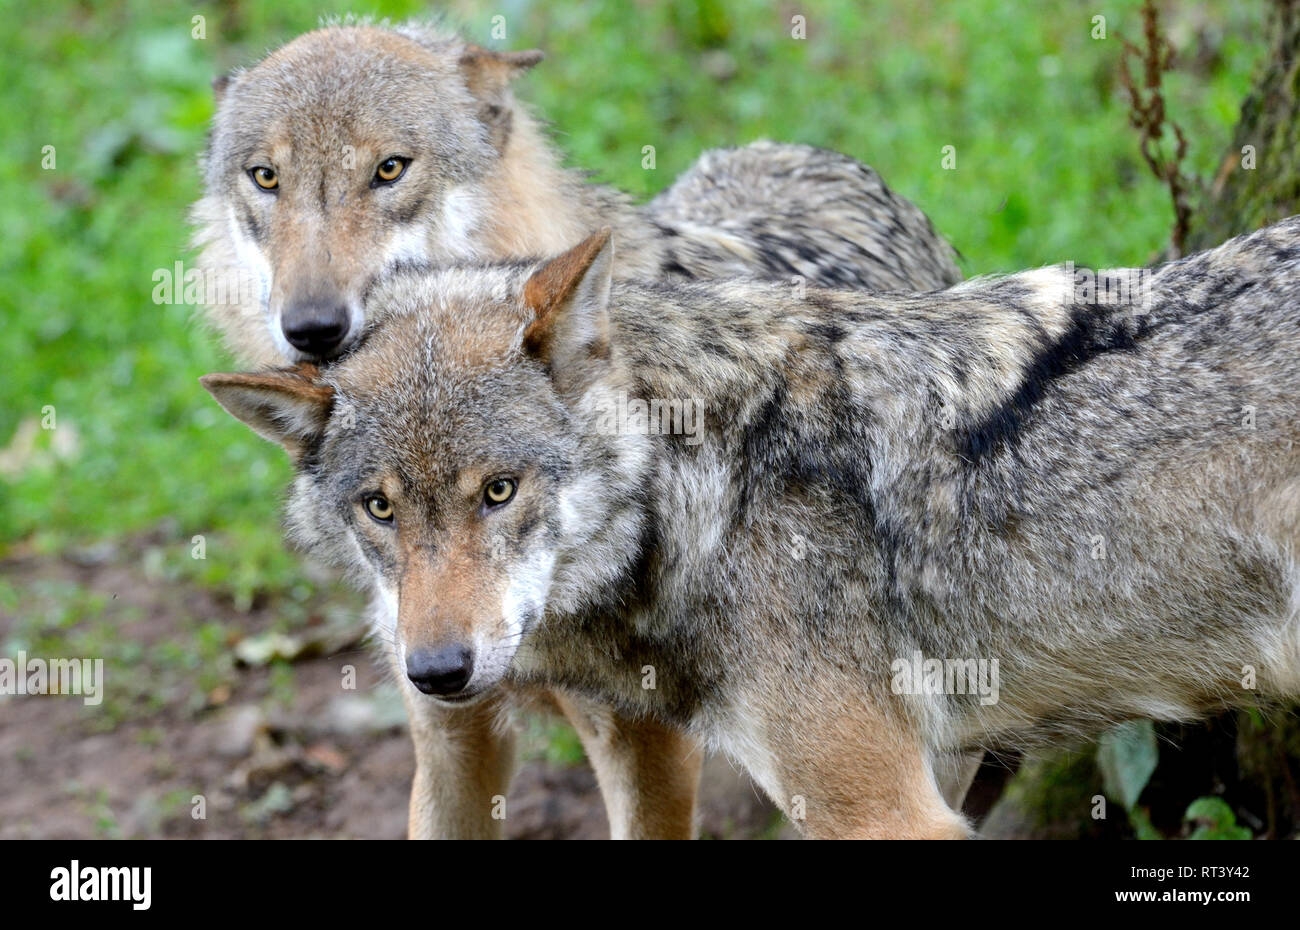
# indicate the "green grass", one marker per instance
pixel 1047 169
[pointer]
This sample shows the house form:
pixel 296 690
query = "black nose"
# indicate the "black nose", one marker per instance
pixel 315 327
pixel 440 671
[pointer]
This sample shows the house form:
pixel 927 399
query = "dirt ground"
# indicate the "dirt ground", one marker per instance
pixel 274 750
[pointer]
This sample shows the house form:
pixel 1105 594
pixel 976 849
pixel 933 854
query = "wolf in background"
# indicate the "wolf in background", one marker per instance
pixel 356 150
pixel 1103 498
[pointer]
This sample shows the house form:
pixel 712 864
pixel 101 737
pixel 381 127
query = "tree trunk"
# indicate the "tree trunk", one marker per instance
pixel 1241 198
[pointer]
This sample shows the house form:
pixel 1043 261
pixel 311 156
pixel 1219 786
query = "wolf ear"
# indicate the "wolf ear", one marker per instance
pixel 219 85
pixel 288 407
pixel 569 299
pixel 487 72
pixel 488 75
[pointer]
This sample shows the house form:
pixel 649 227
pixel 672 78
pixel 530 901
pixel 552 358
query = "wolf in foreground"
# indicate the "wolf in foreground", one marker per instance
pixel 1100 501
pixel 354 150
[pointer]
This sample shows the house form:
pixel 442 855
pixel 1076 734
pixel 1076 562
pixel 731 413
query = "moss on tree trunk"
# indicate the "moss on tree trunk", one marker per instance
pixel 1258 181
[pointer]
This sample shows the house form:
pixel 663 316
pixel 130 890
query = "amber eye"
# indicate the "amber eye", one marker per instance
pixel 265 178
pixel 390 169
pixel 498 492
pixel 380 508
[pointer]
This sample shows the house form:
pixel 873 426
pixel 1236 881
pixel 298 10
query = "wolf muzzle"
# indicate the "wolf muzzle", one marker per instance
pixel 315 326
pixel 443 672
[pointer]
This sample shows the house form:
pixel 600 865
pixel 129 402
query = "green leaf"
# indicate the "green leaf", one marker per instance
pixel 1127 756
pixel 1214 820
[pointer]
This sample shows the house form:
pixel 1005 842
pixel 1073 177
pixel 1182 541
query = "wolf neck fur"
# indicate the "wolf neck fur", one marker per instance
pixel 552 207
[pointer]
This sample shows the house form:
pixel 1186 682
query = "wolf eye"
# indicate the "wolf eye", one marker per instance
pixel 379 508
pixel 390 169
pixel 499 492
pixel 265 178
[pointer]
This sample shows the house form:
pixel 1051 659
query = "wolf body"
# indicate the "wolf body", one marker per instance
pixel 1100 502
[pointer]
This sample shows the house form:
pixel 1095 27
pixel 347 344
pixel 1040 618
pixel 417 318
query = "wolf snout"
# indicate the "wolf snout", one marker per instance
pixel 315 326
pixel 443 672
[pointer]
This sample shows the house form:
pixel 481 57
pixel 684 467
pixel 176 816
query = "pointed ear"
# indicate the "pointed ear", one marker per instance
pixel 219 85
pixel 569 299
pixel 488 75
pixel 289 407
pixel 488 72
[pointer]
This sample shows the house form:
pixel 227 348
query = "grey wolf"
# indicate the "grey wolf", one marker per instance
pixel 1103 497
pixel 356 150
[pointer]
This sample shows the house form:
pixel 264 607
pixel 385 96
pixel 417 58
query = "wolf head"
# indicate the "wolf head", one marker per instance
pixel 451 459
pixel 348 151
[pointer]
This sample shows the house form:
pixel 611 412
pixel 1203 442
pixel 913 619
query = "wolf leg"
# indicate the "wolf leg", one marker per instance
pixel 891 797
pixel 464 758
pixel 648 773
pixel 848 770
